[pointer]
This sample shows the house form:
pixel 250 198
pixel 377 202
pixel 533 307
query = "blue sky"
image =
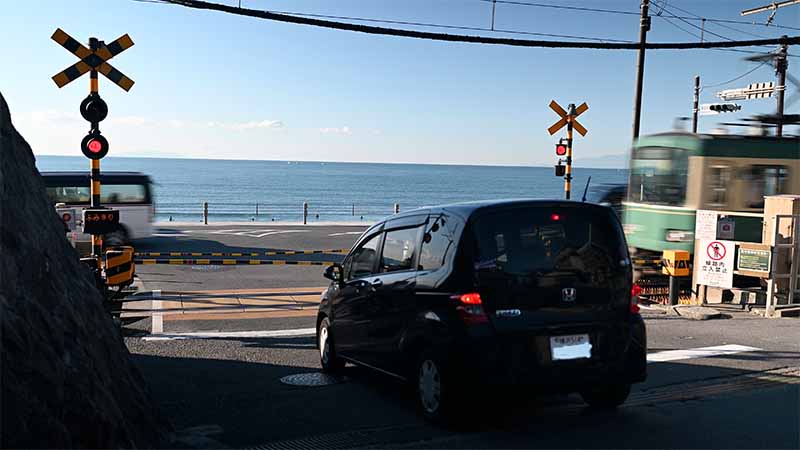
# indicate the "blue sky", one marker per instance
pixel 214 85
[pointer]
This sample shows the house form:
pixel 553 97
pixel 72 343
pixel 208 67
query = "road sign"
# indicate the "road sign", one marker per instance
pixel 716 263
pixel 92 60
pixel 755 260
pixel 566 118
pixel 751 92
pixel 760 90
pixel 97 221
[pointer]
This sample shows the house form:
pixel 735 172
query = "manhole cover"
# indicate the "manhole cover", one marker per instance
pixel 311 379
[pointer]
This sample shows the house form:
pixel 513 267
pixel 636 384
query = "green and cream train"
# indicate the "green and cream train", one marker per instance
pixel 672 175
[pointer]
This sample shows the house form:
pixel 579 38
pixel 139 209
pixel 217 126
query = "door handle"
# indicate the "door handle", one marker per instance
pixel 376 283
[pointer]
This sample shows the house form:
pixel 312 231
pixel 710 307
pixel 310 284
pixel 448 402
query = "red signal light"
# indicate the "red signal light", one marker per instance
pixel 561 149
pixel 95 146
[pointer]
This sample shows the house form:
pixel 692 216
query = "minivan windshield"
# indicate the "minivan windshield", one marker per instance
pixel 542 240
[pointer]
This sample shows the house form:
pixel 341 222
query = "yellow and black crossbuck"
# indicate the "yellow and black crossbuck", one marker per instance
pixel 92 60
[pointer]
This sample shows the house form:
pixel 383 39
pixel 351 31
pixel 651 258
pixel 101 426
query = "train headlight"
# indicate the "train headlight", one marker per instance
pixel 679 236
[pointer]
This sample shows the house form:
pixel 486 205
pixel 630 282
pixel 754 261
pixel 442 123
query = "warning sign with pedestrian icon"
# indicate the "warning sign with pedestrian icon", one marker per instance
pixel 715 265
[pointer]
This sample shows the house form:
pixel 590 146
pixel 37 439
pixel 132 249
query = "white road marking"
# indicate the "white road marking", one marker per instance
pixel 282 232
pixel 702 352
pixel 346 233
pixel 234 231
pixel 232 334
pixel 250 232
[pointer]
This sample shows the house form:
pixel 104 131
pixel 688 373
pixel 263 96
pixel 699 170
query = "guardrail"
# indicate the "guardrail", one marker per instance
pixel 231 262
pixel 272 253
pixel 263 212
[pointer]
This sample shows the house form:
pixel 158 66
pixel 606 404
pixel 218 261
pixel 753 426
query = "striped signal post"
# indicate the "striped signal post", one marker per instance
pixel 97 221
pixel 97 240
pixel 568 119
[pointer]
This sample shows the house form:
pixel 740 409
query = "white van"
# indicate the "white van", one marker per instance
pixel 129 192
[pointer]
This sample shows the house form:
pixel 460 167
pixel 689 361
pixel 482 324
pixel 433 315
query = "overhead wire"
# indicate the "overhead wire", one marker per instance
pixel 735 79
pixel 369 29
pixel 611 11
pixel 721 25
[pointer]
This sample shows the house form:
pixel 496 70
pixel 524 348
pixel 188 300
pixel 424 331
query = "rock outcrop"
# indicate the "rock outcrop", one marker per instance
pixel 67 378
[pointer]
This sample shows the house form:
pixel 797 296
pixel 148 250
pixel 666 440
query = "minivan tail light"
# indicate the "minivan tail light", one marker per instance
pixel 469 308
pixel 472 298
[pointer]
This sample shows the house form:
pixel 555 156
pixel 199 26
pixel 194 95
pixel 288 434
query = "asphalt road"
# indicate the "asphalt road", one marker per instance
pixel 228 388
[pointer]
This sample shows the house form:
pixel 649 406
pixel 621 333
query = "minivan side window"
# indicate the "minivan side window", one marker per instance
pixel 362 260
pixel 436 242
pixel 399 247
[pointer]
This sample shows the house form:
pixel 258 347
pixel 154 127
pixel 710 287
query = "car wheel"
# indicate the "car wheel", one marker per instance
pixel 328 359
pixel 435 389
pixel 116 238
pixel 606 396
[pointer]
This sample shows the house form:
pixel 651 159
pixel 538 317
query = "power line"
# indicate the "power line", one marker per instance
pixel 721 25
pixel 199 4
pixel 611 11
pixel 663 7
pixel 452 27
pixel 737 78
pixel 572 8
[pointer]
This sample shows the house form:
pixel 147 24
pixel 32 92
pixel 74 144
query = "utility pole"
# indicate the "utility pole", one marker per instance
pixel 644 27
pixel 781 64
pixel 696 105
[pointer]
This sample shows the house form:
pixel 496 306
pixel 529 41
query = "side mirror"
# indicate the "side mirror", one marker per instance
pixel 333 273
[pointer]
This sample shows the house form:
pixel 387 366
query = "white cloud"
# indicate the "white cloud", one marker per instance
pixel 263 124
pixel 131 121
pixel 334 130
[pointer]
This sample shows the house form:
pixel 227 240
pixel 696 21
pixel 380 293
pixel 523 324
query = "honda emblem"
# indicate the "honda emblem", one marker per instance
pixel 568 294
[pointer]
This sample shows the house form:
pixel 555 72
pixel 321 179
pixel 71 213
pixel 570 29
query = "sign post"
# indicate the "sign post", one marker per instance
pixel 568 118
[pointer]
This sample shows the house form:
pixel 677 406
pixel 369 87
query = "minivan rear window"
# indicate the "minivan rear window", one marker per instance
pixel 541 240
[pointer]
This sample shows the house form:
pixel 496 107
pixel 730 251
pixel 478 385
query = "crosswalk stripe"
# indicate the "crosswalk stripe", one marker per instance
pixel 232 334
pixel 702 352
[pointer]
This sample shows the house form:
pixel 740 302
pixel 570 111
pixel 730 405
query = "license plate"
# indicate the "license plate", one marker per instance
pixel 574 346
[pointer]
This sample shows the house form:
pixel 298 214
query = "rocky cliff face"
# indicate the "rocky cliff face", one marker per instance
pixel 67 379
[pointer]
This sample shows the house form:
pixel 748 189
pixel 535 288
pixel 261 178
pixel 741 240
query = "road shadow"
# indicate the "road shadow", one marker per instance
pixel 170 244
pixel 251 405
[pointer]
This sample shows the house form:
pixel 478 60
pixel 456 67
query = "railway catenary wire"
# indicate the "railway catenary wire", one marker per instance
pixel 369 29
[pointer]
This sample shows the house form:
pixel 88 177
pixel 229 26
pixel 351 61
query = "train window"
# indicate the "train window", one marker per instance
pixel 718 184
pixel 658 175
pixel 764 180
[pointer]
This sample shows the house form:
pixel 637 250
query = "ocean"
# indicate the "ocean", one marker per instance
pixel 266 191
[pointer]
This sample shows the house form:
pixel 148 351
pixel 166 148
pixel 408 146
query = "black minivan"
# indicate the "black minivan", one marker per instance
pixel 519 292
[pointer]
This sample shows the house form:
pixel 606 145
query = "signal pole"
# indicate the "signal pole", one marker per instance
pixel 644 27
pixel 781 64
pixel 94 174
pixel 568 173
pixel 696 103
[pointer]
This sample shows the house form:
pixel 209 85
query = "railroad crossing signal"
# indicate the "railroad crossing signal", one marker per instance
pixel 95 59
pixel 568 118
pixel 565 118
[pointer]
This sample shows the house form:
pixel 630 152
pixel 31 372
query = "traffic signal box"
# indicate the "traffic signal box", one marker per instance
pixel 675 263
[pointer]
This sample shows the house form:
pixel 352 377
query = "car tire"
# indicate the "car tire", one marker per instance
pixel 437 390
pixel 116 238
pixel 606 396
pixel 328 359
